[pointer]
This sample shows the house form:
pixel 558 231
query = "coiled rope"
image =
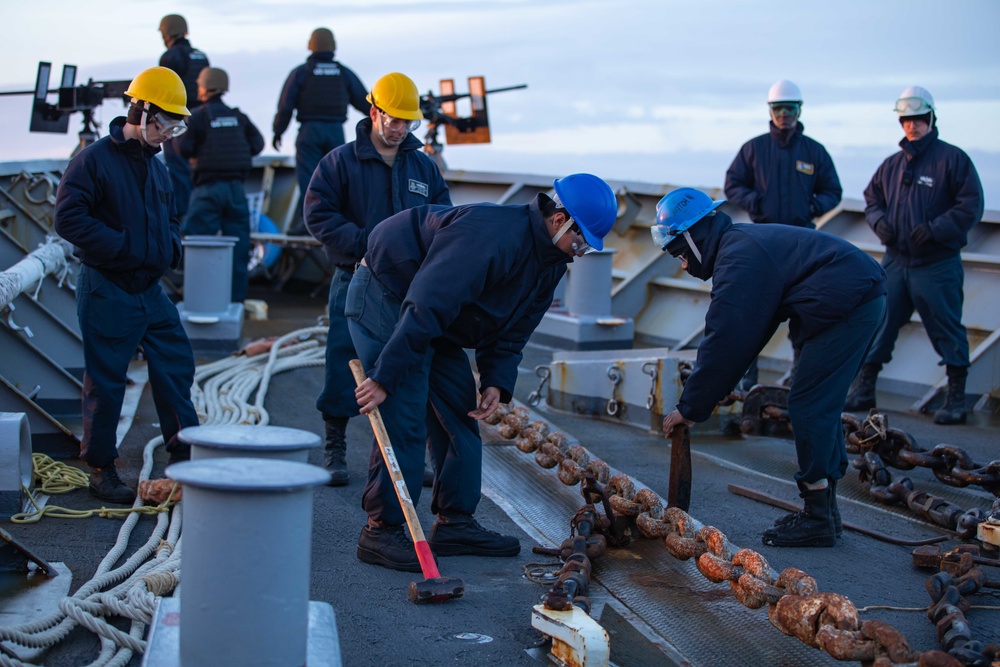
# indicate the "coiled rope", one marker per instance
pixel 221 394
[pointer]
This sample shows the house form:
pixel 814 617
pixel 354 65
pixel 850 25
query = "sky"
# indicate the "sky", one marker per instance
pixel 657 91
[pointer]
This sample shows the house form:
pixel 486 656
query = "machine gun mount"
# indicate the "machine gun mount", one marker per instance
pixel 441 110
pixel 46 117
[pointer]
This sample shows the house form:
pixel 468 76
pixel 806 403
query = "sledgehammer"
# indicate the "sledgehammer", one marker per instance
pixel 434 587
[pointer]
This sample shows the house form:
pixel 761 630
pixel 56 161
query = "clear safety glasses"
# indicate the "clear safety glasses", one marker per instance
pixel 790 108
pixel 911 106
pixel 168 127
pixel 398 123
pixel 661 236
pixel 582 247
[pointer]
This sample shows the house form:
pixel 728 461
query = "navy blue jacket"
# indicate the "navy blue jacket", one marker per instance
pixel 787 181
pixel 116 205
pixel 928 182
pixel 353 189
pixel 761 276
pixel 194 143
pixel 480 276
pixel 296 80
pixel 188 62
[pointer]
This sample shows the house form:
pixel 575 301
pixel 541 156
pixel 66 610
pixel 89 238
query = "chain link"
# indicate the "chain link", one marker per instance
pixel 950 464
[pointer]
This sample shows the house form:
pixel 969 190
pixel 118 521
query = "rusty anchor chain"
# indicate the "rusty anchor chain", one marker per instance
pixel 950 464
pixel 577 553
pixel 796 606
pixel 949 590
pixel 872 470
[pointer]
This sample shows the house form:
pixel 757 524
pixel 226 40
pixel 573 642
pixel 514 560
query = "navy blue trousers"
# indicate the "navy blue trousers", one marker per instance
pixel 221 206
pixel 337 398
pixel 180 175
pixel 114 324
pixel 314 140
pixel 936 292
pixel 827 364
pixel 429 410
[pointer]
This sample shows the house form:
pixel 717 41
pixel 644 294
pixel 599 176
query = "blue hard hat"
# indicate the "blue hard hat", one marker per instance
pixel 591 203
pixel 683 207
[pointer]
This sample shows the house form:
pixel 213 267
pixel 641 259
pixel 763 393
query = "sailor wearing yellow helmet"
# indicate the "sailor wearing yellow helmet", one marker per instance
pixel 116 205
pixel 355 187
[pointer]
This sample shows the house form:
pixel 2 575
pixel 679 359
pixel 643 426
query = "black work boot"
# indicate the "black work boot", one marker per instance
pixel 838 526
pixel 335 456
pixel 862 397
pixel 812 527
pixel 388 545
pixel 953 410
pixel 108 486
pixel 461 535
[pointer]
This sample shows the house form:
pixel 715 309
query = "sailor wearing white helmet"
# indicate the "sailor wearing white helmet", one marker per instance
pixel 921 203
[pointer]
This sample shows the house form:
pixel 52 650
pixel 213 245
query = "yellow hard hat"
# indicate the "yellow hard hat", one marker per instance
pixel 160 86
pixel 397 95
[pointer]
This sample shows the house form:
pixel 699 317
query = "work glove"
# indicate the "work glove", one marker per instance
pixel 884 232
pixel 276 143
pixel 922 234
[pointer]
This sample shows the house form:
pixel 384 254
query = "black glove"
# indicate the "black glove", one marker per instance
pixel 922 234
pixel 276 143
pixel 884 233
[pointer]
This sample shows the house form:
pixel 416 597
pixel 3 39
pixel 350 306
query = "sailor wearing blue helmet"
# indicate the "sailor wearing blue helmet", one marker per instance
pixel 833 296
pixel 436 281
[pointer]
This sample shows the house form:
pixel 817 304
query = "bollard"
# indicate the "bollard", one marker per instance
pixel 244 441
pixel 208 274
pixel 213 325
pixel 15 462
pixel 588 291
pixel 247 541
pixel 585 321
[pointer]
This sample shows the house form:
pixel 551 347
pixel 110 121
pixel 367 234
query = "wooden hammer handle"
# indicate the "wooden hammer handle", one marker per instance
pixel 389 456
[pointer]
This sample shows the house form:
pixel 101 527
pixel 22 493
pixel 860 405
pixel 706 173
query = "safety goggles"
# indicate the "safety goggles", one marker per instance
pixel 572 226
pixel 911 106
pixel 790 108
pixel 397 123
pixel 668 242
pixel 169 128
pixel 661 236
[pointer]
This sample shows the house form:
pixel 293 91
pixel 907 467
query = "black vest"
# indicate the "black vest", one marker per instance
pixel 195 61
pixel 324 94
pixel 226 148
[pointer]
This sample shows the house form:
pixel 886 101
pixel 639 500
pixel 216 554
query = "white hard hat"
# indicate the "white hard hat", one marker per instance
pixel 914 101
pixel 784 91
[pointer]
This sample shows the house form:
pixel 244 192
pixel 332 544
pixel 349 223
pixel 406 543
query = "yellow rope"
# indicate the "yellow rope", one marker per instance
pixel 54 477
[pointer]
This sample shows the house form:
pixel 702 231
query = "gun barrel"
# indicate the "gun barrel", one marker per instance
pixel 500 90
pixel 438 99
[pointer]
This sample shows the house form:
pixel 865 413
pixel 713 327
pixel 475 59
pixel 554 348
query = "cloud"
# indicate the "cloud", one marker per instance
pixel 657 89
